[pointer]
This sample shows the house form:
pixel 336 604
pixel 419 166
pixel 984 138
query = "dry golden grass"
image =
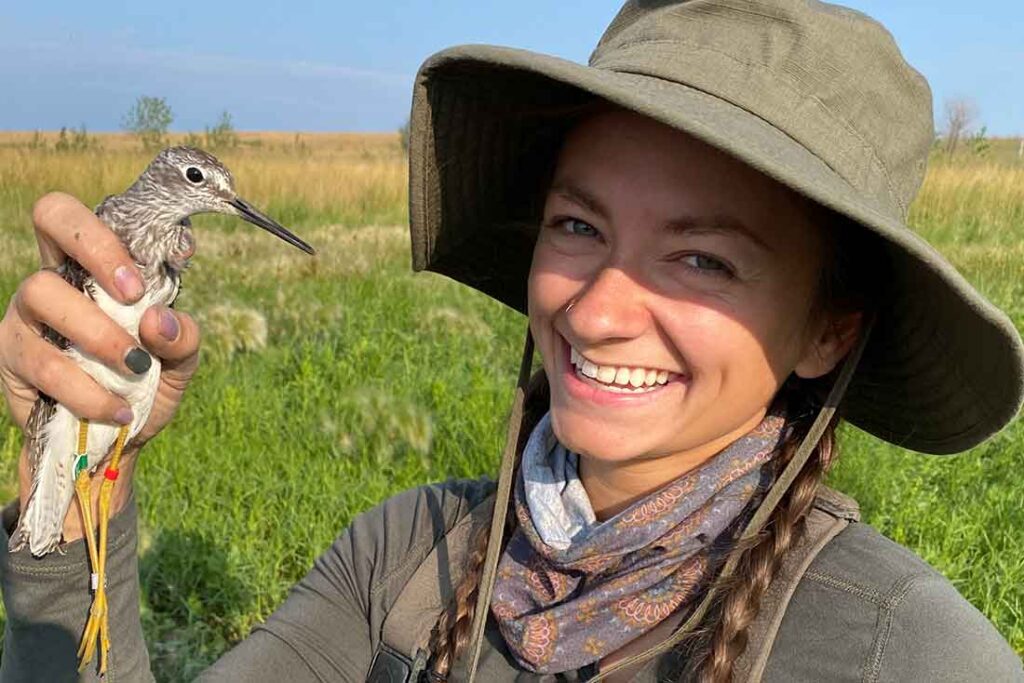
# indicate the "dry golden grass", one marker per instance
pixel 324 185
pixel 341 252
pixel 330 144
pixel 315 179
pixel 303 178
pixel 971 203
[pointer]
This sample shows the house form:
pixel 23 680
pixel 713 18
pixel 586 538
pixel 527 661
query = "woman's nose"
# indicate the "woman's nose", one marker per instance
pixel 610 307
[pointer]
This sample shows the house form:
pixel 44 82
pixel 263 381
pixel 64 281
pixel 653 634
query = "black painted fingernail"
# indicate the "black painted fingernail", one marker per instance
pixel 138 361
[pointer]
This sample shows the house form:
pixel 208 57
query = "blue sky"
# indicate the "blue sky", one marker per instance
pixel 342 65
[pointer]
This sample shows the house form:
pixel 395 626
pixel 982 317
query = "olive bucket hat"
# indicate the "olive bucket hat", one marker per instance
pixel 813 95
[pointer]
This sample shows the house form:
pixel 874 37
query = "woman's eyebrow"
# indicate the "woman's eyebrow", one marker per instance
pixel 718 223
pixel 577 195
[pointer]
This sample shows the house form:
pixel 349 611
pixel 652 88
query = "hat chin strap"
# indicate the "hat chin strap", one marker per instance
pixel 754 526
pixel 501 499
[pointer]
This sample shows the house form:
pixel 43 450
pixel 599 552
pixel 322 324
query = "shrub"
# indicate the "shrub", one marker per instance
pixel 222 135
pixel 403 137
pixel 77 141
pixel 149 118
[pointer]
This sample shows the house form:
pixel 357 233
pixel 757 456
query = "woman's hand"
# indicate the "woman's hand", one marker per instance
pixel 29 364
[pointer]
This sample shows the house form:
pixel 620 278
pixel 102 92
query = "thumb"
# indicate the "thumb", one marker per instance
pixel 173 337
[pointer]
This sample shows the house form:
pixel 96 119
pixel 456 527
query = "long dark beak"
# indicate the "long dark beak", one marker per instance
pixel 250 213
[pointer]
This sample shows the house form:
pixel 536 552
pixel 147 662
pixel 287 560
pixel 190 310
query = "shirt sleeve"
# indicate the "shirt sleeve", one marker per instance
pixel 327 629
pixel 330 625
pixel 47 601
pixel 935 635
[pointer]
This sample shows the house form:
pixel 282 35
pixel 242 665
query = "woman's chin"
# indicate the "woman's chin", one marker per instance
pixel 596 438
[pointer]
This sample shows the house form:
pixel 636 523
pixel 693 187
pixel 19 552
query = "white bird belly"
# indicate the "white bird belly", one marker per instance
pixel 138 390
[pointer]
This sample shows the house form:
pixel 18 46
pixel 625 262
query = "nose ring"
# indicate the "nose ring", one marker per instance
pixel 569 307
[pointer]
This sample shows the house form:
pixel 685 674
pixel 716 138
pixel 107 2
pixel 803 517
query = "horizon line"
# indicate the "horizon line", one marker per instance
pixel 27 131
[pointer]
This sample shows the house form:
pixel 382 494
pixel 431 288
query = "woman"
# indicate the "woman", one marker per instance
pixel 706 227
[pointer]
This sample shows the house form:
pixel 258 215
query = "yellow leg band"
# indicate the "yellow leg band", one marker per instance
pixel 97 628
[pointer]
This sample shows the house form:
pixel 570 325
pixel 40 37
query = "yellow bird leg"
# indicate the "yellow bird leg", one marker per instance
pixel 98 625
pixel 82 492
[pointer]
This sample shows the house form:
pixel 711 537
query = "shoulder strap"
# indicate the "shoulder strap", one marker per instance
pixel 831 513
pixel 405 634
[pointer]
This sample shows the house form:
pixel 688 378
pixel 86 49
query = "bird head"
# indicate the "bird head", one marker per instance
pixel 190 181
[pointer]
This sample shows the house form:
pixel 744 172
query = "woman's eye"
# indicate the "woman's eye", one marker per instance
pixel 706 265
pixel 574 226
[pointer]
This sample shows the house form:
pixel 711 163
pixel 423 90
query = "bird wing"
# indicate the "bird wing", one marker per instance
pixel 42 411
pixel 35 430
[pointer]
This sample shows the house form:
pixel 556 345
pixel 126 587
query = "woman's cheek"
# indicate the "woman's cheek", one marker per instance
pixel 715 347
pixel 546 294
pixel 576 259
pixel 749 375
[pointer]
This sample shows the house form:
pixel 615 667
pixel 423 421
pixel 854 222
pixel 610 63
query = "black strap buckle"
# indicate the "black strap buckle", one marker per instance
pixel 391 666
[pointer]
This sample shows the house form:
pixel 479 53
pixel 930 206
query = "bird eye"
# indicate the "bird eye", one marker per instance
pixel 194 174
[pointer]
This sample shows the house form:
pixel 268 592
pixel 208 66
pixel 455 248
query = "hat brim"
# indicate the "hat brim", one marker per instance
pixel 944 369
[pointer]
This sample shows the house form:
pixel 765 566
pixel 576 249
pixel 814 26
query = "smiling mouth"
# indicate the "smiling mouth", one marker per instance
pixel 619 378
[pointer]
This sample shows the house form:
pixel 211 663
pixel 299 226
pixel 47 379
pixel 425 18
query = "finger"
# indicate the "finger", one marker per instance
pixel 44 297
pixel 170 334
pixel 40 364
pixel 65 226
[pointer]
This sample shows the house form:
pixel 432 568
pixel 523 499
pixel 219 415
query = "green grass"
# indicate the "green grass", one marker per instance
pixel 348 404
pixel 369 380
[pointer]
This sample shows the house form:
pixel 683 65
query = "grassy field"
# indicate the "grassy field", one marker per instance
pixel 328 384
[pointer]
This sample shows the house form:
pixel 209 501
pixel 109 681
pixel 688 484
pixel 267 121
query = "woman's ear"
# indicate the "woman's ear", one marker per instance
pixel 835 339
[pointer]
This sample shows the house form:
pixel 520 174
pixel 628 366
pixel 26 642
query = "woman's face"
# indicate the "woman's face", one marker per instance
pixel 671 292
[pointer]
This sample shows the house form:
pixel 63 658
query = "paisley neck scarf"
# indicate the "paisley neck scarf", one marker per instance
pixel 571 590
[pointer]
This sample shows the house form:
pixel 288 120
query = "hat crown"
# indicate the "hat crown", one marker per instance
pixel 830 77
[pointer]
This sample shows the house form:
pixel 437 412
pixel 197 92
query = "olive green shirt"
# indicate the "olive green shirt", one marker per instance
pixel 867 609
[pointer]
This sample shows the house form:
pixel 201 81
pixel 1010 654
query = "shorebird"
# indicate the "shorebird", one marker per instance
pixel 151 218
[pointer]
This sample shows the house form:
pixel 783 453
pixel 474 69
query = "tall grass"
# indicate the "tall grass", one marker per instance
pixel 330 383
pixel 302 179
pixel 978 205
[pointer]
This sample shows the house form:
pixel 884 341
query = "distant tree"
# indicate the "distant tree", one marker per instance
pixel 978 142
pixel 960 114
pixel 222 135
pixel 37 141
pixel 75 140
pixel 149 118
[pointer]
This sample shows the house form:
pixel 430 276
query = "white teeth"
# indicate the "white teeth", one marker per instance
pixel 619 378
